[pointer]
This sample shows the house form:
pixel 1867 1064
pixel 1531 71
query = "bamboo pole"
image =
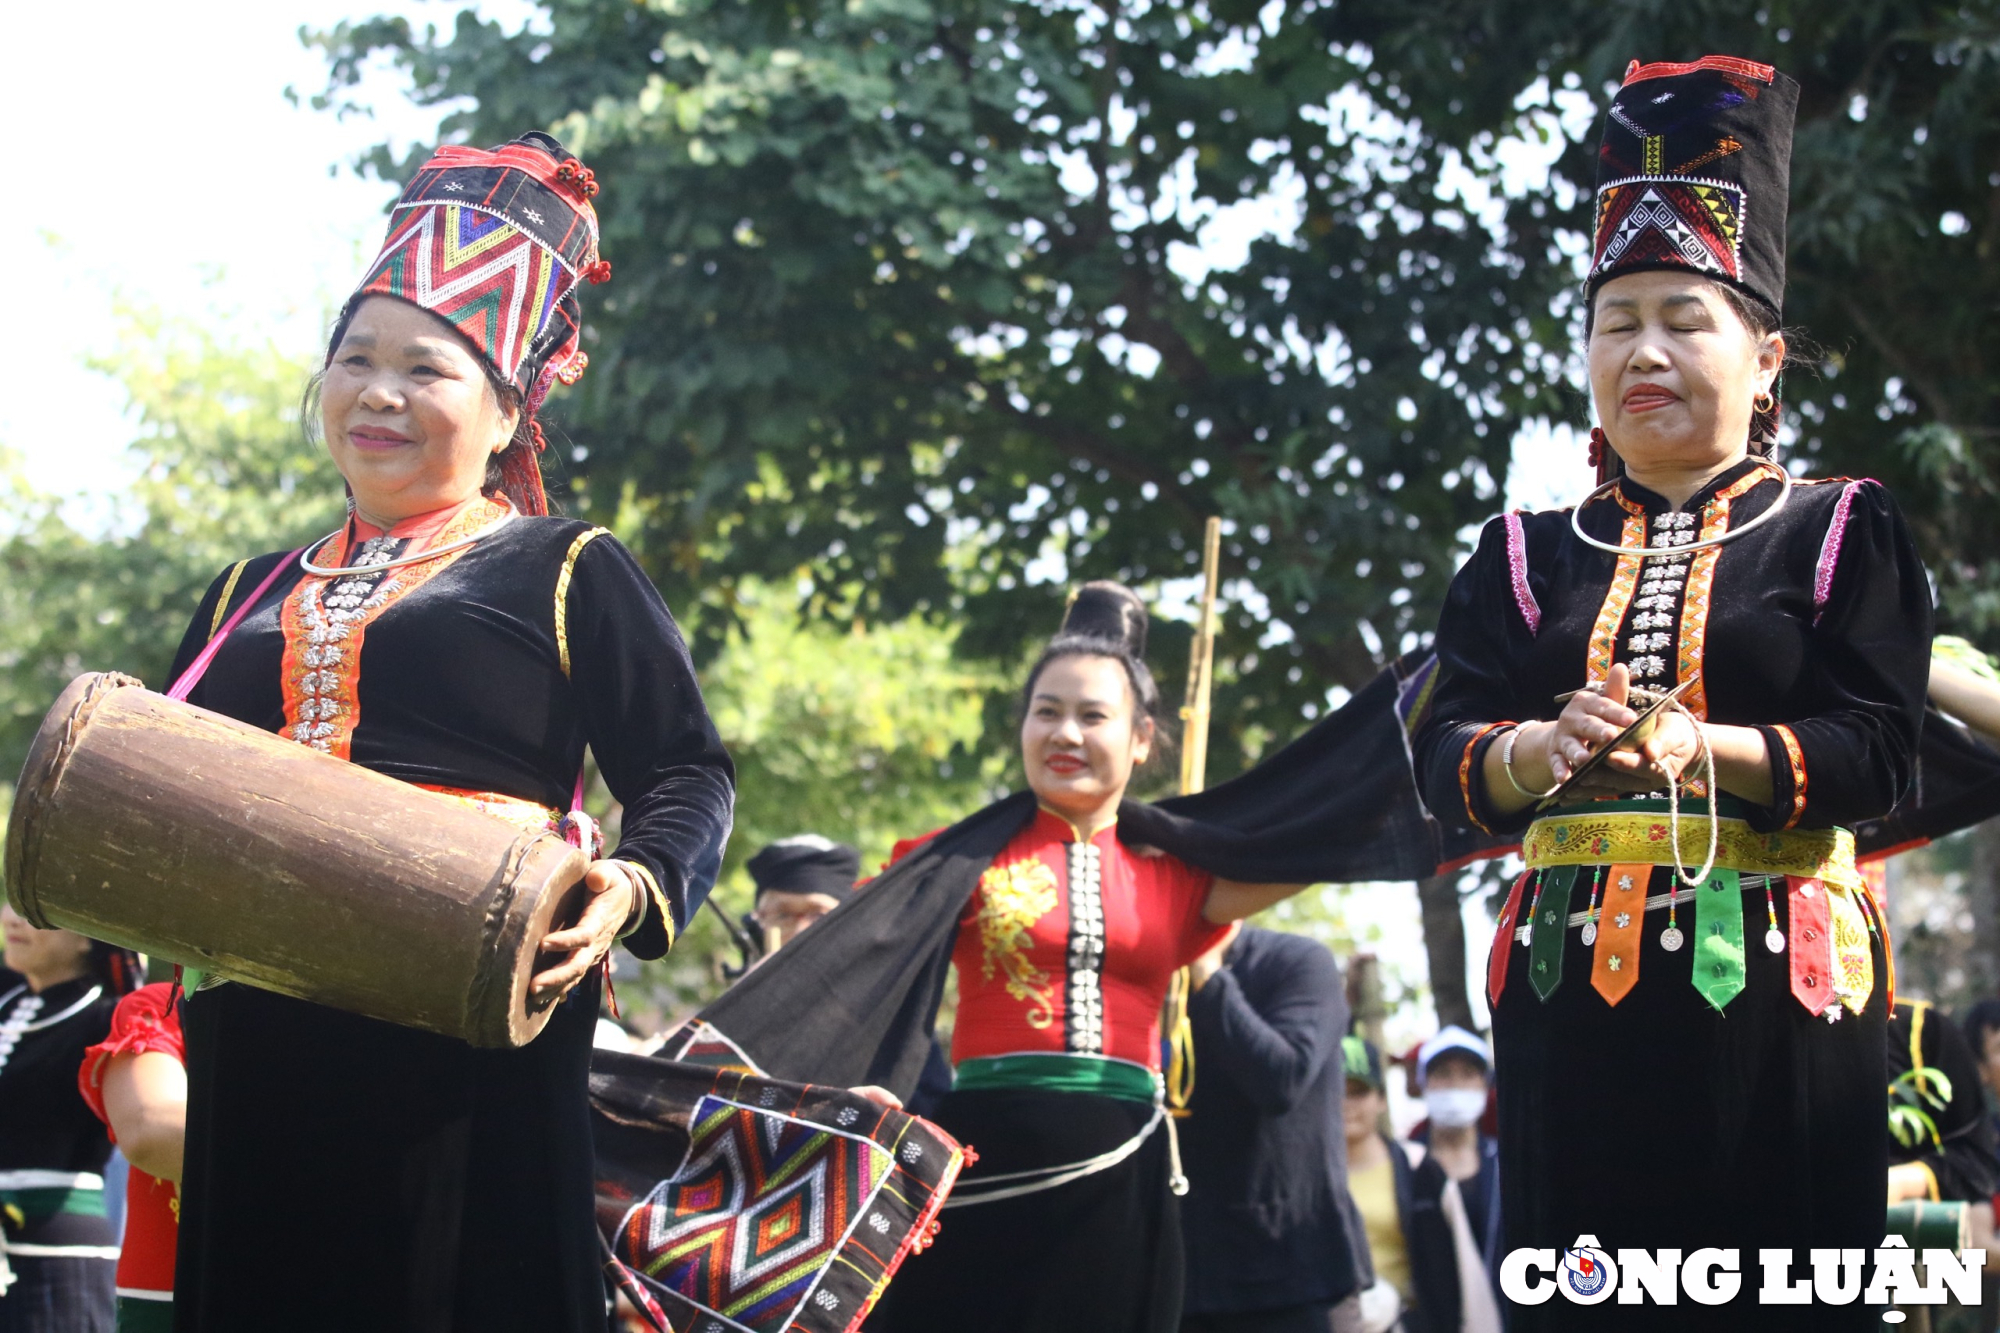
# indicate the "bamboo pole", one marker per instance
pixel 1194 775
pixel 1201 668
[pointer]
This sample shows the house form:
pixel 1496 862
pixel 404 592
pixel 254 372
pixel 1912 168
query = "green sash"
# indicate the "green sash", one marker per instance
pixel 1548 924
pixel 1718 937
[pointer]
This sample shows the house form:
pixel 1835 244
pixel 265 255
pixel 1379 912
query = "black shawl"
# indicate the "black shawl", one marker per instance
pixel 855 998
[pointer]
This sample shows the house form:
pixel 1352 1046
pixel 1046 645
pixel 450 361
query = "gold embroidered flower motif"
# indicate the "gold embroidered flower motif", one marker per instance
pixel 1013 898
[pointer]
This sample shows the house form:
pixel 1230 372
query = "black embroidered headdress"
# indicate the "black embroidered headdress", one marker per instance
pixel 1695 173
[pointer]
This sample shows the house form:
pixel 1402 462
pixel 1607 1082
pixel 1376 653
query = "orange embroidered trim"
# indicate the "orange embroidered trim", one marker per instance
pixel 1624 581
pixel 530 815
pixel 1465 770
pixel 1693 637
pixel 321 672
pixel 1661 69
pixel 1797 758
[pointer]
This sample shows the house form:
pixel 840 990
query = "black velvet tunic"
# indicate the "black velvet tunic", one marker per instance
pixel 1663 1121
pixel 344 1173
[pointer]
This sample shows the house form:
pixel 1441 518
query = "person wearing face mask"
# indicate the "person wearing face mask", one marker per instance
pixel 1454 1074
pixel 1692 957
pixel 1419 1241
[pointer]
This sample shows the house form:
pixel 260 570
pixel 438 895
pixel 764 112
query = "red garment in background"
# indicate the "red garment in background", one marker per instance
pixel 146 1020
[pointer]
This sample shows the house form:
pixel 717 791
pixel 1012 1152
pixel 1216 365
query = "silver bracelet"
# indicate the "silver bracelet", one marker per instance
pixel 1507 763
pixel 635 916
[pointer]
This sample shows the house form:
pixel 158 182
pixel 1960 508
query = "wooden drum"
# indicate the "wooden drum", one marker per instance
pixel 187 835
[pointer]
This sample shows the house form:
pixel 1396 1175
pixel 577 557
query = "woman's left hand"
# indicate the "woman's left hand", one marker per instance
pixel 611 888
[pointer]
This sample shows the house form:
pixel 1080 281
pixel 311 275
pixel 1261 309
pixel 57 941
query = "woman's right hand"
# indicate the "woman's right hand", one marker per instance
pixel 1546 754
pixel 1589 722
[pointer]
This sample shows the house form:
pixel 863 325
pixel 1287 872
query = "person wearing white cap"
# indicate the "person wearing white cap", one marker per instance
pixel 1454 1072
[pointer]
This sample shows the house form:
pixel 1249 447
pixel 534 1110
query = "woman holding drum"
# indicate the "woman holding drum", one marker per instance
pixel 345 1173
pixel 1689 1000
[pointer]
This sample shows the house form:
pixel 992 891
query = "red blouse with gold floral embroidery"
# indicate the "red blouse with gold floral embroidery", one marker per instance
pixel 1068 944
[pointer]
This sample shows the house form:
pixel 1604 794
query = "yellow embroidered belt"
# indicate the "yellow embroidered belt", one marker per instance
pixel 1589 838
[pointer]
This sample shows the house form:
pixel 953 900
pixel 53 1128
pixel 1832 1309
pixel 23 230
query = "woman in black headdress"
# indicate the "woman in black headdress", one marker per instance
pixel 1063 954
pixel 1688 1010
pixel 343 1173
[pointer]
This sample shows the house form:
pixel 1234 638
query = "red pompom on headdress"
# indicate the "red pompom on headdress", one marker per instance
pixel 581 181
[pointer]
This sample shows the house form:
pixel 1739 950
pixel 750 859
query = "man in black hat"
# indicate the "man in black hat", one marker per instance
pixel 799 880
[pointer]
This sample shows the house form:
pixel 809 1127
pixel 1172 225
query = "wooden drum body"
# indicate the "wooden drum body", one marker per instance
pixel 190 836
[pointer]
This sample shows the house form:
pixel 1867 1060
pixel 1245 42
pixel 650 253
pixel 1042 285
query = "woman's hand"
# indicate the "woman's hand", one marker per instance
pixel 1589 722
pixel 879 1095
pixel 612 889
pixel 1910 1180
pixel 1547 753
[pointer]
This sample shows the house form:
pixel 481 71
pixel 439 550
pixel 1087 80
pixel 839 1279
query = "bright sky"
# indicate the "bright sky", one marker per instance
pixel 171 172
pixel 158 163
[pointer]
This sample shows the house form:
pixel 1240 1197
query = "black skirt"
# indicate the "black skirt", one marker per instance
pixel 1663 1123
pixel 58 1294
pixel 1097 1255
pixel 346 1174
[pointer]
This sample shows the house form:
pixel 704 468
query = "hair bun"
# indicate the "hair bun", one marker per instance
pixel 1102 609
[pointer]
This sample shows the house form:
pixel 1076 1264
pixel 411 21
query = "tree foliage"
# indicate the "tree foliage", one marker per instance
pixel 1895 213
pixel 908 296
pixel 904 278
pixel 860 733
pixel 222 472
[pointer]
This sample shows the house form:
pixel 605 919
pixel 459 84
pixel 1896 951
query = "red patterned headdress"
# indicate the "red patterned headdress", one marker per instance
pixel 494 242
pixel 1695 173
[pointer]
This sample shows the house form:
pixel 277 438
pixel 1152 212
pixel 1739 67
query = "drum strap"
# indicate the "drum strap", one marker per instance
pixel 198 668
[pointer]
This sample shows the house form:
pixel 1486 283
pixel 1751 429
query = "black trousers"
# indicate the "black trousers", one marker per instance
pixel 1098 1255
pixel 1661 1122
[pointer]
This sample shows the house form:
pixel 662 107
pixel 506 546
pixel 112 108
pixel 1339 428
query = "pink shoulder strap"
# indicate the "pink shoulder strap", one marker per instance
pixel 199 667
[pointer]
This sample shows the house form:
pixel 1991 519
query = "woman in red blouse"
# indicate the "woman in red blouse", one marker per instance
pixel 1063 957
